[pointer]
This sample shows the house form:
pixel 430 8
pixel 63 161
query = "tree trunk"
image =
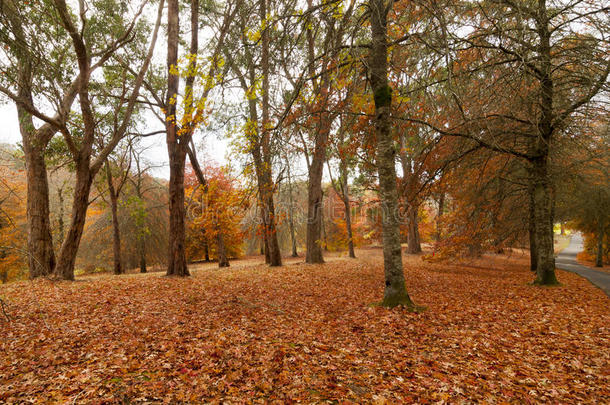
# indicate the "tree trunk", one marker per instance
pixel 142 253
pixel 206 249
pixel 543 198
pixel 290 216
pixel 41 258
pixel 562 228
pixel 223 261
pixel 545 257
pixel 395 292
pixel 314 213
pixel 264 152
pixel 177 231
pixel 413 240
pixel 69 248
pixel 176 148
pixel 599 259
pixel 273 246
pixel 315 216
pixel 116 235
pixel 344 188
pixel 348 227
pixel 272 252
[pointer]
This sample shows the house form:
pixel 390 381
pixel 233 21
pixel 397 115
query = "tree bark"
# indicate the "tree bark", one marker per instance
pixel 344 188
pixel 116 235
pixel 290 215
pixel 543 198
pixel 223 261
pixel 545 268
pixel 314 206
pixel 176 149
pixel 69 249
pixel 395 292
pixel 41 258
pixel 177 232
pixel 264 166
pixel 142 253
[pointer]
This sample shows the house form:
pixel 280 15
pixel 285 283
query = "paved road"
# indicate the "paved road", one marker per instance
pixel 566 260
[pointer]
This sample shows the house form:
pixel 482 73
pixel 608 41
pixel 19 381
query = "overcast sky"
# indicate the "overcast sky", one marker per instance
pixel 156 150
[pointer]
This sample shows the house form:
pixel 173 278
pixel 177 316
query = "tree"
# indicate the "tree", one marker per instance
pixel 253 75
pixel 586 193
pixel 543 69
pixel 116 174
pixel 322 109
pixel 37 72
pixel 180 130
pixel 395 291
pixel 12 224
pixel 80 144
pixel 344 146
pixel 215 212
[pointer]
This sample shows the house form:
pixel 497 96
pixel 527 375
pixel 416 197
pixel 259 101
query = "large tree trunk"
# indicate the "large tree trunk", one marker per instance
pixel 543 196
pixel 599 259
pixel 395 292
pixel 223 261
pixel 263 148
pixel 176 148
pixel 69 249
pixel 273 246
pixel 545 269
pixel 116 235
pixel 41 258
pixel 273 255
pixel 177 232
pixel 413 240
pixel 314 206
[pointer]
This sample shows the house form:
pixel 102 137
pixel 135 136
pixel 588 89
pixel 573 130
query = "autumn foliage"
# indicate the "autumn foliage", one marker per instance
pixel 12 224
pixel 218 207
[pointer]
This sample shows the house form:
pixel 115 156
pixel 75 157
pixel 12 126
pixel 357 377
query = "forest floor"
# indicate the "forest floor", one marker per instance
pixel 308 333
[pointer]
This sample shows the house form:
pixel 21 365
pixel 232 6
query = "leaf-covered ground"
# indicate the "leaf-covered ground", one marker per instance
pixel 309 334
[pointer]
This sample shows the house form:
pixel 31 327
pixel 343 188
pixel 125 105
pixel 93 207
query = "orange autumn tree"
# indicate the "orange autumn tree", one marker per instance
pixel 13 235
pixel 214 211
